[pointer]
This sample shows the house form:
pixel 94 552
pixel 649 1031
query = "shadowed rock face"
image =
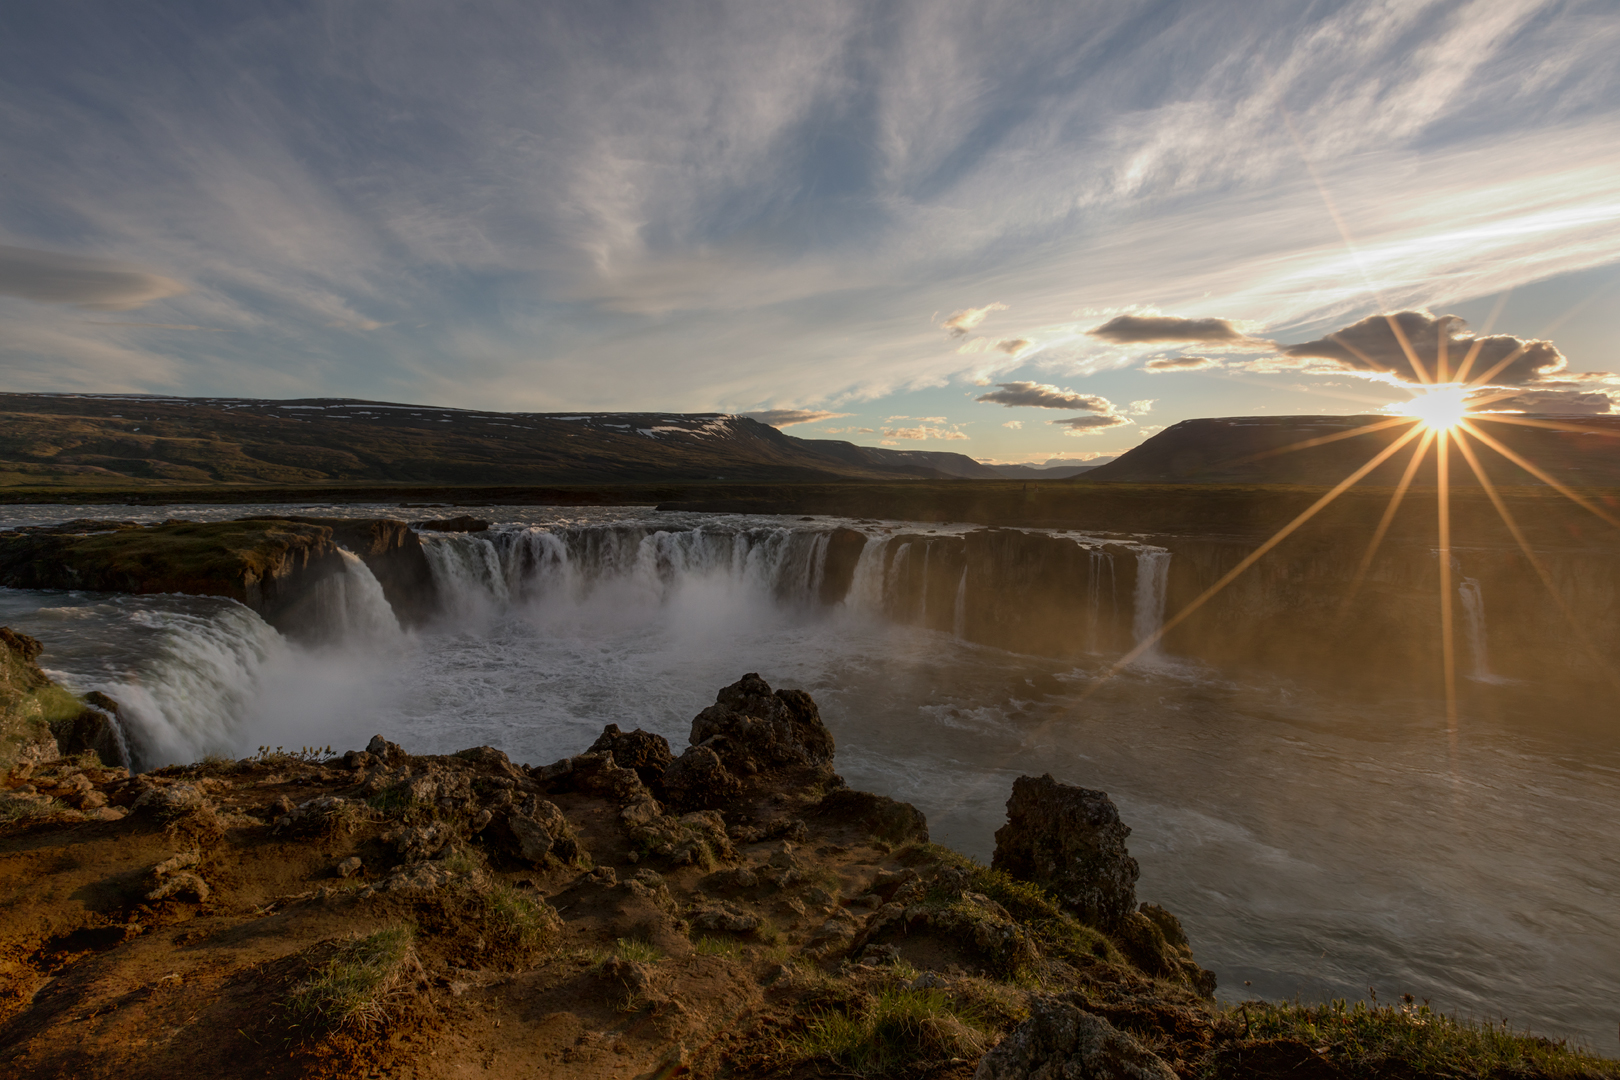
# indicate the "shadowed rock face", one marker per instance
pixel 1069 840
pixel 753 730
pixel 1060 1042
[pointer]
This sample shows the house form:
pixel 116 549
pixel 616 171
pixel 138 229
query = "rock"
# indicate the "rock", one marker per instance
pixel 754 730
pixel 648 754
pixel 1071 841
pixel 889 882
pixel 349 867
pixel 698 780
pixel 387 753
pixel 98 729
pixel 541 830
pixel 1060 1042
pixel 1155 942
pixel 929 981
pixel 723 916
pixel 874 815
pixel 173 878
pixel 420 841
pixel 597 773
pixel 605 876
pixel 465 523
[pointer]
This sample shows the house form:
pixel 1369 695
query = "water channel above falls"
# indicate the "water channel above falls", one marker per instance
pixel 1314 843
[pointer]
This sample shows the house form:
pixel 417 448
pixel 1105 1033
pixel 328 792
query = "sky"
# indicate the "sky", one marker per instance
pixel 1020 231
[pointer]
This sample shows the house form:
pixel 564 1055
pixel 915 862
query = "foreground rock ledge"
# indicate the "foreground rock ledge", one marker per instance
pixel 733 911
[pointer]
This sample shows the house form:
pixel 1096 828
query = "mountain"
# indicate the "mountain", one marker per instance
pixel 1578 450
pixel 84 440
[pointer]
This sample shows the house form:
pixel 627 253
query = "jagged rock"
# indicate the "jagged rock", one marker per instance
pixel 698 780
pixel 173 877
pixel 386 752
pixel 349 867
pixel 1060 1042
pixel 420 841
pixel 597 773
pixel 648 754
pixel 754 730
pixel 1071 841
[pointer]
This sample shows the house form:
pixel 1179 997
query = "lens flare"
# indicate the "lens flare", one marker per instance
pixel 1440 407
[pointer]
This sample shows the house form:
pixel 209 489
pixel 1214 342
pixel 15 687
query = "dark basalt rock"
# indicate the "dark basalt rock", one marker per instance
pixel 697 780
pixel 1060 1042
pixel 754 730
pixel 648 754
pixel 876 815
pixel 1071 841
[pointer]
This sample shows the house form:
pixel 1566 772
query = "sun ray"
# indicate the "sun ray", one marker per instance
pixel 1485 379
pixel 1253 557
pixel 1323 440
pixel 1479 339
pixel 1448 653
pixel 1540 474
pixel 1535 561
pixel 1553 425
pixel 1389 516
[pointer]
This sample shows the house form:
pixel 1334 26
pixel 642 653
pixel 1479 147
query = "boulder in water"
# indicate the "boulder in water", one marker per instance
pixel 1071 841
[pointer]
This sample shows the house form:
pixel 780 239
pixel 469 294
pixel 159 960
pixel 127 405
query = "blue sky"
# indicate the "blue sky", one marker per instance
pixel 881 210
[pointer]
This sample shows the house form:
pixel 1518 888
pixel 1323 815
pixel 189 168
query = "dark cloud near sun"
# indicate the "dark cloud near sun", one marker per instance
pixel 1374 346
pixel 1165 364
pixel 1090 425
pixel 1549 402
pixel 1150 329
pixel 94 284
pixel 780 418
pixel 1044 396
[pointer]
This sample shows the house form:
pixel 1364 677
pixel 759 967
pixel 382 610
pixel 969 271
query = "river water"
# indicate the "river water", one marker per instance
pixel 1316 845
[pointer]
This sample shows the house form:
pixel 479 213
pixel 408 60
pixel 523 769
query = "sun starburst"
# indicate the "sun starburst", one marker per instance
pixel 1440 406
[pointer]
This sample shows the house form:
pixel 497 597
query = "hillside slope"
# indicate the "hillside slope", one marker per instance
pixel 108 440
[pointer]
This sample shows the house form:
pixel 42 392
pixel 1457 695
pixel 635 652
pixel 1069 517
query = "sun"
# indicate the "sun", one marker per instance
pixel 1441 406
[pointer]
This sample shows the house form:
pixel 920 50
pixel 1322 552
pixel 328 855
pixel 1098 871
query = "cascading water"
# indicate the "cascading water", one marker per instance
pixel 959 618
pixel 1152 576
pixel 866 587
pixel 351 607
pixel 1100 569
pixel 1473 605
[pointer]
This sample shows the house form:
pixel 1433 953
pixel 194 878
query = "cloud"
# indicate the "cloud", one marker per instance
pixel 923 432
pixel 1374 346
pixel 94 284
pixel 963 322
pixel 1016 425
pixel 1090 425
pixel 1161 365
pixel 1143 406
pixel 781 418
pixel 1044 396
pixel 1013 346
pixel 1147 329
pixel 163 326
pixel 1568 402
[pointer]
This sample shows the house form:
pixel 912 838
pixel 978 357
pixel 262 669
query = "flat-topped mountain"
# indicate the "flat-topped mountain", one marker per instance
pixel 1583 451
pixel 78 440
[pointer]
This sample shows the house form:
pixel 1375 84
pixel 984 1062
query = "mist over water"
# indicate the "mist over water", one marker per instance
pixel 1315 845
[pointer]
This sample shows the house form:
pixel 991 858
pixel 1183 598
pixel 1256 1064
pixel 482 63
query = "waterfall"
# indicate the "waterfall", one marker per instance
pixel 922 603
pixel 351 607
pixel 191 696
pixel 866 586
pixel 1152 575
pixel 1473 605
pixel 894 581
pixel 959 619
pixel 1100 566
pixel 569 563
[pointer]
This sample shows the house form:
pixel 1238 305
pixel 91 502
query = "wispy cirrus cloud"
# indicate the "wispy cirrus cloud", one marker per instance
pixel 95 284
pixel 780 418
pixel 961 323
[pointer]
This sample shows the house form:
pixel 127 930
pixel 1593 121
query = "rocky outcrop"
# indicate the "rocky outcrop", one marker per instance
pixel 40 720
pixel 1070 841
pixel 753 730
pixel 648 754
pixel 1060 1042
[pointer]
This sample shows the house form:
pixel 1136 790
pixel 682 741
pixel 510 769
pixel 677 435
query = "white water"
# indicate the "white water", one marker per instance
pixel 1314 845
pixel 1152 577
pixel 1473 606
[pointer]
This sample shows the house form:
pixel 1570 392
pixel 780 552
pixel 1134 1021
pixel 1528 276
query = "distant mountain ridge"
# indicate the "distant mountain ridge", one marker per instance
pixel 100 439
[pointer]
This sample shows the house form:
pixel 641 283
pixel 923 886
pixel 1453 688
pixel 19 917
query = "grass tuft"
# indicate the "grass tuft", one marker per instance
pixel 1411 1040
pixel 716 946
pixel 639 950
pixel 350 990
pixel 902 1027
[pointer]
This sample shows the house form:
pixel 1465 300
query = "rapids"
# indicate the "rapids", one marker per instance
pixel 1315 844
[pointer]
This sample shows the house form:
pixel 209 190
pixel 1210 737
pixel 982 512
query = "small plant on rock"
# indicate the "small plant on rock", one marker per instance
pixel 350 989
